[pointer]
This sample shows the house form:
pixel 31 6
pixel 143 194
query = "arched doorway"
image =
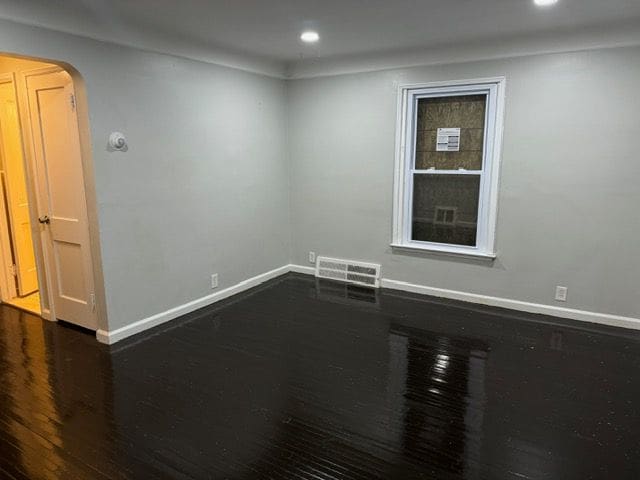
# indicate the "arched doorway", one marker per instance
pixel 48 227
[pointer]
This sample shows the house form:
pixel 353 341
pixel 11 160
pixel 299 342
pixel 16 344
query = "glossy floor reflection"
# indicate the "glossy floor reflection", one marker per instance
pixel 301 379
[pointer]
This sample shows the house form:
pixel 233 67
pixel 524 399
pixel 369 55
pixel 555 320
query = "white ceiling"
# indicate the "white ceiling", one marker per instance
pixel 265 32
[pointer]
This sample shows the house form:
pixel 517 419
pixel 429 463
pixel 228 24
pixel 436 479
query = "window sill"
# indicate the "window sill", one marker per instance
pixel 444 251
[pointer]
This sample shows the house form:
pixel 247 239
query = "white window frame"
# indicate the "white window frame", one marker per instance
pixel 408 96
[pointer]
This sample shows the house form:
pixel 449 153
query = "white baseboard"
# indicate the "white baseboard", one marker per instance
pixel 562 312
pixel 113 336
pixel 553 310
pixel 302 269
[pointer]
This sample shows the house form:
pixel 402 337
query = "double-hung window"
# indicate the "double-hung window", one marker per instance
pixel 447 164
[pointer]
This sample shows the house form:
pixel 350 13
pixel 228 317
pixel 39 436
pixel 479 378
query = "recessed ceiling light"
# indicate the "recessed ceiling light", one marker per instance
pixel 310 36
pixel 545 3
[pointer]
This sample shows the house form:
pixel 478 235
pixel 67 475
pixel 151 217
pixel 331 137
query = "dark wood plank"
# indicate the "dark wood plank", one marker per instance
pixel 316 380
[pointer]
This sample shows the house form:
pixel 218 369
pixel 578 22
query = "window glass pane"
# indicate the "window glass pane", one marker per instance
pixel 445 208
pixel 464 112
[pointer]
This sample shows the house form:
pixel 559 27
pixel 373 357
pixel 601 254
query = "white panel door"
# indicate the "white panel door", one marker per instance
pixel 62 203
pixel 16 188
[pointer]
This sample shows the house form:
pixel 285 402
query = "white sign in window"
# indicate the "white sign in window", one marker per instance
pixel 448 140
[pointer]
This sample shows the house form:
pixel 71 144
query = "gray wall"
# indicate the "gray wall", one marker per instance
pixel 203 187
pixel 569 192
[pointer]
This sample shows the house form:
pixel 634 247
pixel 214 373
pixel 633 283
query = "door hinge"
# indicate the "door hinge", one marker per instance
pixel 72 100
pixel 14 270
pixel 93 302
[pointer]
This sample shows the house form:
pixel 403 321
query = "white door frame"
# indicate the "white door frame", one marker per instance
pixel 7 280
pixel 8 288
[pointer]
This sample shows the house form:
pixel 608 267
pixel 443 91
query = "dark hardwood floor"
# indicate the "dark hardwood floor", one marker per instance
pixel 301 379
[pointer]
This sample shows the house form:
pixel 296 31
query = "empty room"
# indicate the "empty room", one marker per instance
pixel 324 240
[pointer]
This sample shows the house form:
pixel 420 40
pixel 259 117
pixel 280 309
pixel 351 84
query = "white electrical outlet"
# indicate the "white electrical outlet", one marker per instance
pixel 561 294
pixel 214 281
pixel 312 257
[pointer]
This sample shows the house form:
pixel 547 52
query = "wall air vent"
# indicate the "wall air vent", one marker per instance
pixel 358 273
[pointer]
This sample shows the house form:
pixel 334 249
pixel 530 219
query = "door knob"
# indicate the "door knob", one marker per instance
pixel 44 220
